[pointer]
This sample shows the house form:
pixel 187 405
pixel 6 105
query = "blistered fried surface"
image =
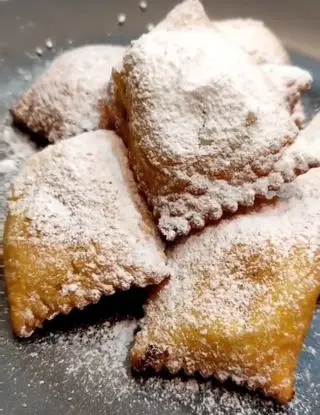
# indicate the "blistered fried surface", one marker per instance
pixel 76 229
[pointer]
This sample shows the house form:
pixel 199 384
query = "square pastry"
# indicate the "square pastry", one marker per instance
pixel 70 97
pixel 77 228
pixel 208 130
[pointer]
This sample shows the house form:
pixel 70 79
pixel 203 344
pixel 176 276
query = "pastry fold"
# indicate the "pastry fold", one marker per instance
pixel 241 297
pixel 76 229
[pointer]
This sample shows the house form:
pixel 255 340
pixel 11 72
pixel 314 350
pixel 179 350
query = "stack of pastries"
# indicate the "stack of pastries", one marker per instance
pixel 184 176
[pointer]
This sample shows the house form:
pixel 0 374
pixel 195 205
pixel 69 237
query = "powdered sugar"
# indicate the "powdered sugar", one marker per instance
pixel 292 83
pixel 188 14
pixel 258 41
pixel 91 362
pixel 70 96
pixel 69 289
pixel 86 225
pixel 250 280
pixel 213 127
pixel 122 19
pixel 255 39
pixel 15 148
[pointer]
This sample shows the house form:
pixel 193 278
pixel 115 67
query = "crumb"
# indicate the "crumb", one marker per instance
pixel 122 19
pixel 143 5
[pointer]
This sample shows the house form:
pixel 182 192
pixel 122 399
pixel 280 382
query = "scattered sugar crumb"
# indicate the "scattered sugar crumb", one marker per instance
pixel 311 350
pixel 39 51
pixel 122 19
pixel 49 43
pixel 15 148
pixel 150 26
pixel 143 5
pixel 98 355
pixel 34 354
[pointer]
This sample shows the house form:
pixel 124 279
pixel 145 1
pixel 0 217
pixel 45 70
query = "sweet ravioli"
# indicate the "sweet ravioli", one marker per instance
pixel 241 297
pixel 188 14
pixel 70 97
pixel 206 127
pixel 76 229
pixel 255 38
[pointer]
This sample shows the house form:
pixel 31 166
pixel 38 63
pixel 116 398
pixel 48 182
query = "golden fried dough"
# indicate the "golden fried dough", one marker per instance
pixel 207 129
pixel 76 229
pixel 69 98
pixel 188 14
pixel 241 296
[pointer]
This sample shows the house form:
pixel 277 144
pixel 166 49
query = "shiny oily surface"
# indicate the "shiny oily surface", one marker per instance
pixel 78 364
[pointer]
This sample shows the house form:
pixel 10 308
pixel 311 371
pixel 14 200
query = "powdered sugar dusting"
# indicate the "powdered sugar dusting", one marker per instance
pixel 69 288
pixel 93 362
pixel 76 211
pixel 122 19
pixel 188 14
pixel 69 98
pixel 15 148
pixel 255 39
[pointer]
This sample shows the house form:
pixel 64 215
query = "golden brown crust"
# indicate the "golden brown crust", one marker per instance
pixel 241 297
pixel 76 229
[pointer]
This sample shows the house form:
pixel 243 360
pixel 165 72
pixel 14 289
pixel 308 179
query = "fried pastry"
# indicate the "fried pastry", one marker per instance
pixel 292 84
pixel 69 98
pixel 188 14
pixel 206 128
pixel 255 38
pixel 241 296
pixel 76 229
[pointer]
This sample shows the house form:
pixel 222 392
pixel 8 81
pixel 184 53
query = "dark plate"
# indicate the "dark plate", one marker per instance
pixel 78 363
